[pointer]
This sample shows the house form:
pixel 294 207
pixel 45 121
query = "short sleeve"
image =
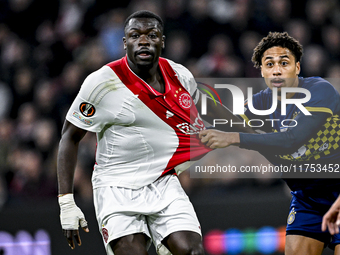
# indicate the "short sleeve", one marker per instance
pixel 88 110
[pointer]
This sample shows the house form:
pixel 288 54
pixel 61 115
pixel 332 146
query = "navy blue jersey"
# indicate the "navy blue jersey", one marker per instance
pixel 322 143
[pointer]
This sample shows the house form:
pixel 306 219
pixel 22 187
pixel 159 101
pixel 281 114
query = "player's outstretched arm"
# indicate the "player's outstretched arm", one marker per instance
pixel 331 219
pixel 70 215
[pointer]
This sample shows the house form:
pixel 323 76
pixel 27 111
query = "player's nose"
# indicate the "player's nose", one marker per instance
pixel 143 40
pixel 277 70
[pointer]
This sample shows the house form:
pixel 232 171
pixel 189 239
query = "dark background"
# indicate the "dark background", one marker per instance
pixel 47 48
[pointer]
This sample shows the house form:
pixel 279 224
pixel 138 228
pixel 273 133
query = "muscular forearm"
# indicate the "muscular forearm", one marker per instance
pixel 67 160
pixel 67 156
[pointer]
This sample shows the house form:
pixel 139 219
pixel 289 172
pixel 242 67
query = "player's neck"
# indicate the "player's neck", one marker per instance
pixel 289 95
pixel 150 74
pixel 156 82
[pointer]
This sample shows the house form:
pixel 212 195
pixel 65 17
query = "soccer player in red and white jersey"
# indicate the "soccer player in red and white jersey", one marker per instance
pixel 142 108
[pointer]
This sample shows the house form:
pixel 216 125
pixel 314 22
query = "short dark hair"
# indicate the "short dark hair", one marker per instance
pixel 145 14
pixel 276 39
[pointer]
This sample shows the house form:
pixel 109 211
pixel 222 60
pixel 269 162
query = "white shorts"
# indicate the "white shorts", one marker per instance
pixel 157 210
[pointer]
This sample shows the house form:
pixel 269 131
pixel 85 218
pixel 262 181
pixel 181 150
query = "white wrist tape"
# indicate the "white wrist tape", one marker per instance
pixel 70 213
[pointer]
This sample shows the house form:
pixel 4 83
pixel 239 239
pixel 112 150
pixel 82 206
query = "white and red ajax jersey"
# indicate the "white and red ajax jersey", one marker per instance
pixel 141 133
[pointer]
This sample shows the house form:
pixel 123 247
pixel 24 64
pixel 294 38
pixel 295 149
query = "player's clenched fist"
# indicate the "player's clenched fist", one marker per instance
pixel 218 139
pixel 71 216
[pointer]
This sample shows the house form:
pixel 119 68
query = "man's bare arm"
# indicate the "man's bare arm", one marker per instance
pixel 67 156
pixel 70 215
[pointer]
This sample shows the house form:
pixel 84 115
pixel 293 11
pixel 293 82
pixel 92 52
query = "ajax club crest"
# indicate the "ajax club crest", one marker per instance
pixel 105 234
pixel 184 98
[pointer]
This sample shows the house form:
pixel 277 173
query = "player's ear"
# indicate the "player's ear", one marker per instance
pixel 298 68
pixel 124 41
pixel 163 41
pixel 261 71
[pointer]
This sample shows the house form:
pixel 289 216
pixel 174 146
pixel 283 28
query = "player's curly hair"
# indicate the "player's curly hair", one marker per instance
pixel 145 14
pixel 274 39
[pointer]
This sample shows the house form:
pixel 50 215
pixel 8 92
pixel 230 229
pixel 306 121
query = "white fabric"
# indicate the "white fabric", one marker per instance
pixel 185 77
pixel 70 213
pixel 184 166
pixel 134 144
pixel 156 210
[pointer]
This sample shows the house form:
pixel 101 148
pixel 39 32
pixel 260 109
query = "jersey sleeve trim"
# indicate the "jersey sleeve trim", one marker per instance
pixel 319 109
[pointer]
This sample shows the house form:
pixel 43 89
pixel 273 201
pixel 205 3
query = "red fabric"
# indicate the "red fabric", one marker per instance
pixel 190 147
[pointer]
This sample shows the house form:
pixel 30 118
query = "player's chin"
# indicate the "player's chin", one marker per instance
pixel 144 64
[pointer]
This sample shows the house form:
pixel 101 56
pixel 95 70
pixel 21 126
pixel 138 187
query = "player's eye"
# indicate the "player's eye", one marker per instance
pixel 284 63
pixel 134 35
pixel 269 64
pixel 153 36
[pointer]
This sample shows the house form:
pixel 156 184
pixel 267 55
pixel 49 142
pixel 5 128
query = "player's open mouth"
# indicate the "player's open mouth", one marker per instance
pixel 277 82
pixel 144 54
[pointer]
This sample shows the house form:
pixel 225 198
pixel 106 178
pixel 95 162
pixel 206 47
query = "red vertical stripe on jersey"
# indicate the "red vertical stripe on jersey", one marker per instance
pixel 190 147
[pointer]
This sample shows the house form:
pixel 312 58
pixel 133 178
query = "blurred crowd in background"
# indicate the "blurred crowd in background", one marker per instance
pixel 47 48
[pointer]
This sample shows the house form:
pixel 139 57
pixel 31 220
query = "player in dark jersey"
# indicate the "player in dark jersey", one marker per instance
pixel 307 142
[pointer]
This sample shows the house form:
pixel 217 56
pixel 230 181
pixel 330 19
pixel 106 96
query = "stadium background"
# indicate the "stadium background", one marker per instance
pixel 48 47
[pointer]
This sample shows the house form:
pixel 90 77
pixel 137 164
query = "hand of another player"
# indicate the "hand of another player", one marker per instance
pixel 217 139
pixel 331 219
pixel 70 217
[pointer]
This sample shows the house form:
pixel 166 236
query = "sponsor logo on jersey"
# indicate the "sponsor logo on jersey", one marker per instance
pixel 291 216
pixel 105 234
pixel 187 129
pixel 82 119
pixel 324 147
pixel 301 152
pixel 191 129
pixel 87 109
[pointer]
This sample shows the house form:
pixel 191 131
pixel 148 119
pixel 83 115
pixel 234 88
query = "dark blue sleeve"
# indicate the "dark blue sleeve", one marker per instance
pixel 285 142
pixel 324 97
